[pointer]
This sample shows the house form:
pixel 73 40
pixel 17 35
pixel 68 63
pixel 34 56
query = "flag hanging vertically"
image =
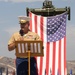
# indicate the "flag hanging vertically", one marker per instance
pixel 52 31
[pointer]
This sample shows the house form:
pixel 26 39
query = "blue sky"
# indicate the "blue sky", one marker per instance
pixel 11 9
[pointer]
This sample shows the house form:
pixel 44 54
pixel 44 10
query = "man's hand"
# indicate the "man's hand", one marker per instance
pixel 11 47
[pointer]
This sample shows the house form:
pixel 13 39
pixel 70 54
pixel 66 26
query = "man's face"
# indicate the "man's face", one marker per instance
pixel 24 27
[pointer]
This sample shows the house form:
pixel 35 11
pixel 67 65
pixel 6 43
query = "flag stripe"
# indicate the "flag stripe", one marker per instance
pixel 41 35
pixel 35 20
pixel 65 56
pixel 45 46
pixel 47 59
pixel 38 29
pixel 59 70
pixel 30 14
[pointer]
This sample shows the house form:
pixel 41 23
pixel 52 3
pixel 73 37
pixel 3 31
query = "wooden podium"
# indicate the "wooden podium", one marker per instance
pixel 29 48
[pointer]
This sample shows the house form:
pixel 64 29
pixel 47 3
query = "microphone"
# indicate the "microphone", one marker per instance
pixel 21 32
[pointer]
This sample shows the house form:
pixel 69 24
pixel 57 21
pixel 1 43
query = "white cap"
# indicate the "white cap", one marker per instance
pixel 24 19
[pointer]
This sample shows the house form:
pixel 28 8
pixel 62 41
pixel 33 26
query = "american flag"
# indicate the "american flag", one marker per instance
pixel 52 31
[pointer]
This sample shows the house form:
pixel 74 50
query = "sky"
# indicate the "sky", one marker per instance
pixel 11 9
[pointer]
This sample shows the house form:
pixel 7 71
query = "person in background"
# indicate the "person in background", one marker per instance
pixel 24 34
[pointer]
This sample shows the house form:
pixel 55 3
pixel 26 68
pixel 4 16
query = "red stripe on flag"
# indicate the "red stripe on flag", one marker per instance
pixel 53 61
pixel 47 58
pixel 30 14
pixel 41 35
pixel 64 55
pixel 41 27
pixel 59 58
pixel 35 20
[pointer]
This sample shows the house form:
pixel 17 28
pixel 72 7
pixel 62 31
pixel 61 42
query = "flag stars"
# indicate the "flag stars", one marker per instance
pixel 48 28
pixel 64 31
pixel 57 18
pixel 48 24
pixel 52 23
pixel 53 19
pixel 56 28
pixel 53 32
pixel 48 36
pixel 48 33
pixel 55 37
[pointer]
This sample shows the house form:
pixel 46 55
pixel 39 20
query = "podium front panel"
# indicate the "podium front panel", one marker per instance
pixel 35 48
